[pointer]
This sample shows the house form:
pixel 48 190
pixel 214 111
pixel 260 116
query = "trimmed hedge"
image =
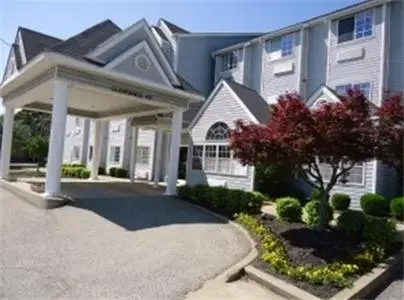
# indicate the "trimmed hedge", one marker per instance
pixel 351 223
pixel 222 200
pixel 289 209
pixel 118 172
pixel 102 171
pixel 340 201
pixel 112 171
pixel 374 205
pixel 75 171
pixel 312 210
pixel 397 208
pixel 85 174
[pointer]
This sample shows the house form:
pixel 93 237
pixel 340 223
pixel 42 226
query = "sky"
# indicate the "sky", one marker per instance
pixel 66 18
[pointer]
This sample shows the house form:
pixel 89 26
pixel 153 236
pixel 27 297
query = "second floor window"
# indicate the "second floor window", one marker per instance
pixel 229 61
pixel 355 27
pixel 363 87
pixel 281 46
pixel 287 45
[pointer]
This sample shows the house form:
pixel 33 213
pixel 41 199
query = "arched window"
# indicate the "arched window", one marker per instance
pixel 218 132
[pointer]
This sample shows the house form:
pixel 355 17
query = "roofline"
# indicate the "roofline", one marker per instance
pixel 214 34
pixel 38 32
pixel 322 18
pixel 48 58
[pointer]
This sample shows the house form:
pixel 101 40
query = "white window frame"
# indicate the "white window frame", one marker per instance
pixel 143 155
pixel 352 85
pixel 76 150
pixel 112 154
pixel 348 183
pixel 292 40
pixel 225 67
pixel 278 55
pixel 355 16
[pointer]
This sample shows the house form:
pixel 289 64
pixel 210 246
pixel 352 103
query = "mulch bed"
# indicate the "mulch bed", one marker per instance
pixel 307 246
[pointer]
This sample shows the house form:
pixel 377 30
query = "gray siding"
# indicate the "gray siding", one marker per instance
pixel 74 136
pixel 128 66
pixel 236 74
pixel 255 69
pixel 146 138
pixel 386 181
pixel 117 135
pixel 317 57
pixel 223 98
pixel 104 143
pixel 274 85
pixel 365 69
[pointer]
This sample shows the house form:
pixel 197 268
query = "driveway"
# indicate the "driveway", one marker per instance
pixel 111 245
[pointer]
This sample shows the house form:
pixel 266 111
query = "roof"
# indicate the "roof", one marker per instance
pixel 35 42
pixel 302 24
pixel 252 100
pixel 175 28
pixel 160 32
pixel 80 44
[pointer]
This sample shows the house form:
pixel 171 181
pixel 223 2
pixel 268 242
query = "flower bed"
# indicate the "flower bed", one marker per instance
pixel 320 262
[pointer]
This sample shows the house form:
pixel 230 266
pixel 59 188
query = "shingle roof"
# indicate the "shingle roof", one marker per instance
pixel 160 33
pixel 254 102
pixel 80 44
pixel 175 28
pixel 36 42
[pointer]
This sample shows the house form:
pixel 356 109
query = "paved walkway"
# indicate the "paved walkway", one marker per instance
pixel 118 247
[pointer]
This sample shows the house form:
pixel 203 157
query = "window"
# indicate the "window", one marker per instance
pixel 287 45
pixel 77 121
pixel 363 87
pixel 223 163
pixel 218 132
pixel 229 61
pixel 76 153
pixel 142 155
pixel 355 27
pixel 90 153
pixel 280 47
pixel 354 176
pixel 115 154
pixel 197 154
pixel 210 158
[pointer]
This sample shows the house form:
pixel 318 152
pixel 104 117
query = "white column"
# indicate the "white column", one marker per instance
pixel 176 127
pixel 157 158
pixel 135 133
pixel 96 150
pixel 56 140
pixel 7 140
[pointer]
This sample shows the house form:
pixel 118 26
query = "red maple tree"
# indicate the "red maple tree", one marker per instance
pixel 390 134
pixel 339 134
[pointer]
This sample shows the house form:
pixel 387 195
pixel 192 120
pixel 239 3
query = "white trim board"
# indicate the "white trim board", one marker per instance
pixel 322 90
pixel 142 45
pixel 212 95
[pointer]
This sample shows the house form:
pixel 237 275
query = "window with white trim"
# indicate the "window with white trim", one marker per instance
pixel 210 158
pixel 114 154
pixel 218 132
pixel 197 156
pixel 229 61
pixel 76 153
pixel 364 87
pixel 356 27
pixel 353 176
pixel 282 46
pixel 143 155
pixel 287 45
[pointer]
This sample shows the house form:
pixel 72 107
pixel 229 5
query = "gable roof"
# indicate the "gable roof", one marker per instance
pixel 35 42
pixel 160 32
pixel 252 100
pixel 174 28
pixel 80 44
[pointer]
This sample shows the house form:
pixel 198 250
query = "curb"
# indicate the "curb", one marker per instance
pixel 236 271
pixel 278 286
pixel 38 200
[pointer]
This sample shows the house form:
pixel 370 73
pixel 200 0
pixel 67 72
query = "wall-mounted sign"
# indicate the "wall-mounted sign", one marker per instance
pixel 132 93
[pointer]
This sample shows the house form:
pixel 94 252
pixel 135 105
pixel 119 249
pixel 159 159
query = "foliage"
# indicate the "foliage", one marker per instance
pixel 299 194
pixel 390 134
pixel 75 170
pixel 222 200
pixel 274 253
pixel 121 173
pixel 397 208
pixel 316 194
pixel 351 223
pixel 37 149
pixel 374 204
pixel 340 201
pixel 261 197
pixel 112 171
pixel 340 133
pixel 273 180
pixel 289 209
pixel 379 232
pixel 312 210
pixel 85 174
pixel 101 171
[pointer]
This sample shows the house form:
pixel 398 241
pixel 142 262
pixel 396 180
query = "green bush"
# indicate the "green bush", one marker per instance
pixel 397 208
pixel 199 194
pixel 274 180
pixel 380 231
pixel 218 198
pixel 260 197
pixel 316 194
pixel 77 172
pixel 101 171
pixel 340 201
pixel 112 171
pixel 289 209
pixel 121 173
pixel 351 223
pixel 184 191
pixel 312 210
pixel 299 194
pixel 77 165
pixel 85 174
pixel 374 204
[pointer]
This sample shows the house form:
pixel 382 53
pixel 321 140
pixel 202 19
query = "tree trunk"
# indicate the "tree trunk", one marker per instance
pixel 400 182
pixel 323 218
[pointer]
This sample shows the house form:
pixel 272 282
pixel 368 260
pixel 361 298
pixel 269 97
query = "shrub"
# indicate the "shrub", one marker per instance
pixel 238 201
pixel 299 194
pixel 184 191
pixel 397 208
pixel 112 171
pixel 121 173
pixel 77 172
pixel 340 201
pixel 351 223
pixel 199 194
pixel 312 210
pixel 274 180
pixel 102 171
pixel 316 194
pixel 374 204
pixel 85 174
pixel 77 165
pixel 260 197
pixel 218 198
pixel 380 231
pixel 289 209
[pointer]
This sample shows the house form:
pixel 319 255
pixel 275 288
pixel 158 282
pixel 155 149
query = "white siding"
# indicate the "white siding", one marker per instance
pixel 146 138
pixel 74 136
pixel 236 74
pixel 223 108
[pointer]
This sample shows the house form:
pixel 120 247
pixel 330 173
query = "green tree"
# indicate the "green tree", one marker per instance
pixel 37 149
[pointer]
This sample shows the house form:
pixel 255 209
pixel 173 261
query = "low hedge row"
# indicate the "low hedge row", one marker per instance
pixel 77 172
pixel 222 200
pixel 118 172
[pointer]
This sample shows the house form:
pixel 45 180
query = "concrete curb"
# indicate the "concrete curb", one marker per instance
pixel 236 271
pixel 278 286
pixel 38 200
